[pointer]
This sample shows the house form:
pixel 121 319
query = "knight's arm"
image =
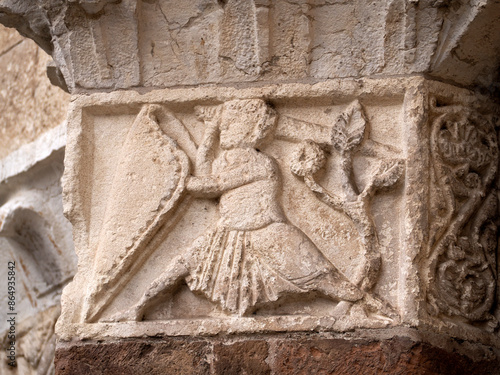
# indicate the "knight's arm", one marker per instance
pixel 212 186
pixel 205 154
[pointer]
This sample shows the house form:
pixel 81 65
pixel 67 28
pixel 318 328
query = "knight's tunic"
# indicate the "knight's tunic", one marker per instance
pixel 253 256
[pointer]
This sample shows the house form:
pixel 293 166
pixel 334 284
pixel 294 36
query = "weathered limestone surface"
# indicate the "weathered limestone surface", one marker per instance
pixel 8 39
pixel 33 232
pixel 278 168
pixel 29 104
pixel 134 43
pixel 263 251
pixel 36 241
pixel 299 241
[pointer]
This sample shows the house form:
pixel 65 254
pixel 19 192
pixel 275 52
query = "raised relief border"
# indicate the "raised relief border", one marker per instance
pixel 201 211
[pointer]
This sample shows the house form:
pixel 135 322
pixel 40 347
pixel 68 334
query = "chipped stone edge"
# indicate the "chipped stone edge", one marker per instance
pixel 28 155
pixel 346 88
pixel 209 327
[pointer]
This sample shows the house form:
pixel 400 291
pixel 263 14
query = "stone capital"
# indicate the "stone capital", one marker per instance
pixel 241 171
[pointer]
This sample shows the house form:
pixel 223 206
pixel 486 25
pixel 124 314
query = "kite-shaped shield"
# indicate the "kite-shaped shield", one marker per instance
pixel 148 185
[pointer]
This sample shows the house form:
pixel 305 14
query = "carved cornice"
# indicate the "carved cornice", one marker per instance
pixel 113 44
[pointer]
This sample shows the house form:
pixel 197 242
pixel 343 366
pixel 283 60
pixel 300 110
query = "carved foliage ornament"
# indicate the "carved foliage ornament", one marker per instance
pixel 463 237
pixel 346 138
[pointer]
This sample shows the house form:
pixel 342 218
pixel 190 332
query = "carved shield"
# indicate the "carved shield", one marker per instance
pixel 148 184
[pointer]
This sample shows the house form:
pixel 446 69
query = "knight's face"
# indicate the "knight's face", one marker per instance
pixel 243 122
pixel 235 133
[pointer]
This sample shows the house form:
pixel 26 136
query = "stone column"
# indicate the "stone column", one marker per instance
pixel 277 187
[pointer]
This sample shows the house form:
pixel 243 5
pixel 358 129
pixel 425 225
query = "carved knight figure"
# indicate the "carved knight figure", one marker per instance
pixel 253 255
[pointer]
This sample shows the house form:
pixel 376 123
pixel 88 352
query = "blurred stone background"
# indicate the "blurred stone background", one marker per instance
pixel 29 103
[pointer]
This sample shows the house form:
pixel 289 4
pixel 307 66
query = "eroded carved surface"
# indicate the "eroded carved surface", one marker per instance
pixel 286 208
pixel 254 256
pixel 347 135
pixel 463 231
pixel 163 43
pixel 254 214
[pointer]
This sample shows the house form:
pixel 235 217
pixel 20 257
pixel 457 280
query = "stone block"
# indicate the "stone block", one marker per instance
pixel 176 357
pixel 29 104
pixel 271 354
pixel 114 45
pixel 241 357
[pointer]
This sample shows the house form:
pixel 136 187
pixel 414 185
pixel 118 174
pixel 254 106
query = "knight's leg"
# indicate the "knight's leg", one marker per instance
pixel 175 271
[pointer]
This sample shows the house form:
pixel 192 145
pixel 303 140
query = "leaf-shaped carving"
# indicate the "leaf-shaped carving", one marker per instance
pixel 388 173
pixel 349 129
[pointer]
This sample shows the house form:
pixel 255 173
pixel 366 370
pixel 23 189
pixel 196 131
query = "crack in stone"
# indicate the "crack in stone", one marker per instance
pixel 11 48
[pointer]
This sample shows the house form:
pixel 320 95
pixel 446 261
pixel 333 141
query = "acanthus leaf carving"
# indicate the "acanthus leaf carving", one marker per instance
pixel 387 174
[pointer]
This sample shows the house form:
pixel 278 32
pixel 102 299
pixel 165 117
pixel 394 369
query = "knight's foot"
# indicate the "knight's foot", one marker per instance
pixel 379 308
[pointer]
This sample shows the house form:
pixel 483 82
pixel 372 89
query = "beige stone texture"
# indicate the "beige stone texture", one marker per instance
pixel 248 206
pixel 29 104
pixel 165 43
pixel 9 38
pixel 298 248
pixel 257 167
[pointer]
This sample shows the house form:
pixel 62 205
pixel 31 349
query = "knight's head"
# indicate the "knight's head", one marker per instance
pixel 246 123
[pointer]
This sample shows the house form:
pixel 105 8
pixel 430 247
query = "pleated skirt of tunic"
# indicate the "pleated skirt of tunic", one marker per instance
pixel 230 271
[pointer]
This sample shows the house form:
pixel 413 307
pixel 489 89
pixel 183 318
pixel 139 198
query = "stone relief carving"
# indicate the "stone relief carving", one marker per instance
pixel 347 136
pixel 324 167
pixel 463 231
pixel 253 255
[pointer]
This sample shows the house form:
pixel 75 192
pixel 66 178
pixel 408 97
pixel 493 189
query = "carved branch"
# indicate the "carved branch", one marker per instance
pixel 346 137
